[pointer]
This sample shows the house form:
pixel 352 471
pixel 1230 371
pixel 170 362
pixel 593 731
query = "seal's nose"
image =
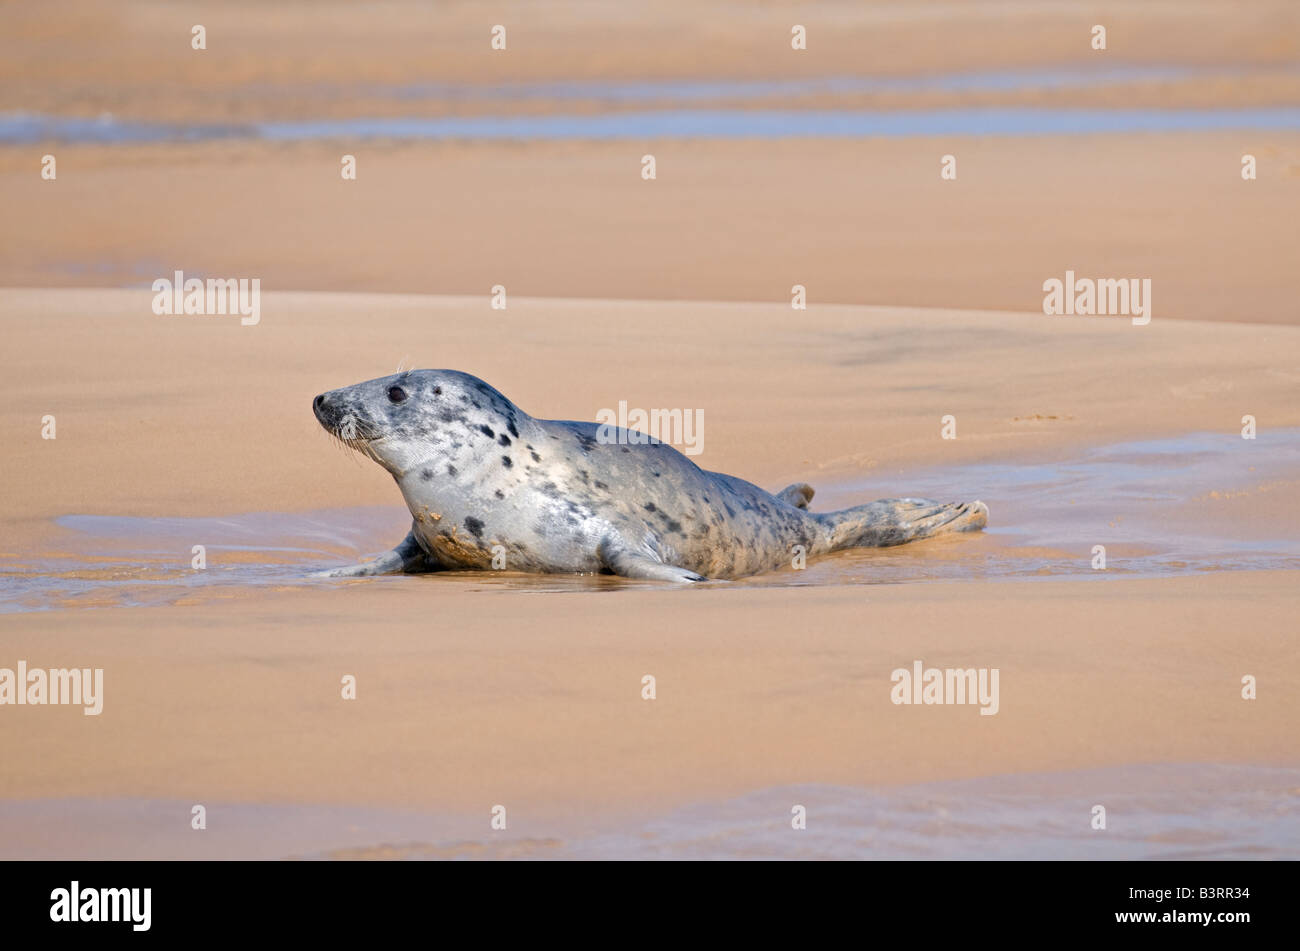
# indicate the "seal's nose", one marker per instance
pixel 322 410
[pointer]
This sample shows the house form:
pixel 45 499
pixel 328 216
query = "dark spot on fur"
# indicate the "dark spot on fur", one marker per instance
pixel 537 458
pixel 426 475
pixel 499 494
pixel 451 470
pixel 474 525
pixel 505 440
pixel 510 425
pixel 487 431
pixel 506 461
pixel 600 485
pixel 650 507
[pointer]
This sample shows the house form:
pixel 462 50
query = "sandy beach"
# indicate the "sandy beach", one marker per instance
pixel 473 690
pixel 861 222
pixel 468 697
pixel 1119 684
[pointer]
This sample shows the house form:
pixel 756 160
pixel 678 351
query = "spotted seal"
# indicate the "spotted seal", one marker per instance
pixel 482 478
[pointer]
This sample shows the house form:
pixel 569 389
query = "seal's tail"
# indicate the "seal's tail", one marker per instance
pixel 896 521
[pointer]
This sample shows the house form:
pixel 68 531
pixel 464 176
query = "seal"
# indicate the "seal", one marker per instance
pixel 483 479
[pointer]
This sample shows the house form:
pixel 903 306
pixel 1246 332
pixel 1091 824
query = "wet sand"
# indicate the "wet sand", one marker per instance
pixel 466 699
pixel 329 58
pixel 858 221
pixel 862 221
pixel 1154 812
pixel 1159 508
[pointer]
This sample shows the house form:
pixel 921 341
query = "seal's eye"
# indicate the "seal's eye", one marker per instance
pixel 396 394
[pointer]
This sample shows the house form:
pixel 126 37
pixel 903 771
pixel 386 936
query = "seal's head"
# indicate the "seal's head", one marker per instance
pixel 419 418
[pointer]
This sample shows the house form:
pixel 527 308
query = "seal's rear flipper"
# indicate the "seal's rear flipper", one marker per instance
pixel 621 560
pixel 406 557
pixel 896 521
pixel 798 495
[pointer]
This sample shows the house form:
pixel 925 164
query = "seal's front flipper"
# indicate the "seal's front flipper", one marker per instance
pixel 621 560
pixel 408 557
pixel 798 495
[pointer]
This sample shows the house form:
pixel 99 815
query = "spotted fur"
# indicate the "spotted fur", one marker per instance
pixel 481 476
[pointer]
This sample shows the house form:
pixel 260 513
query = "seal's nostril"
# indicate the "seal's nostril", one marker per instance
pixel 316 403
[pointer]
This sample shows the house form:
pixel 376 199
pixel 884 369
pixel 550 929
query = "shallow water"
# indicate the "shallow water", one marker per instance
pixel 689 90
pixel 1152 812
pixel 26 129
pixel 682 111
pixel 1189 811
pixel 1144 501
